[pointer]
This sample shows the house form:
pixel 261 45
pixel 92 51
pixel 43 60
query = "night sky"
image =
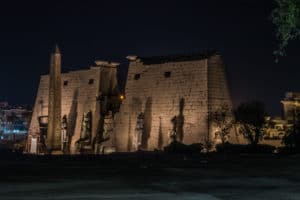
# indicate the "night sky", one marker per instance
pixel 110 30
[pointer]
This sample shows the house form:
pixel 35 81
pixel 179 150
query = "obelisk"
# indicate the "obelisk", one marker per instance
pixel 54 104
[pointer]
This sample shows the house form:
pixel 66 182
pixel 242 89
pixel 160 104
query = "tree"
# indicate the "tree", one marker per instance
pixel 222 119
pixel 292 136
pixel 250 118
pixel 286 18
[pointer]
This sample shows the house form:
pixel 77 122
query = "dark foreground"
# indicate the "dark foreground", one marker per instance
pixel 151 176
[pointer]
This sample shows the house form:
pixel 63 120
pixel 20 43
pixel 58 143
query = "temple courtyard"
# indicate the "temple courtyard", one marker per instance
pixel 144 177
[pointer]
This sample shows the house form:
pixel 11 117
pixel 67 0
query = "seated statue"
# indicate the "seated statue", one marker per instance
pixel 86 132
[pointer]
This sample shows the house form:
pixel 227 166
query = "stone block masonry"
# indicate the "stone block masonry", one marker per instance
pixel 173 93
pixel 80 94
pixel 167 98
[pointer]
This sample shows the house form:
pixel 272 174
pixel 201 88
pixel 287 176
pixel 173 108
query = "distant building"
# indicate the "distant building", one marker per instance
pixel 276 130
pixel 3 104
pixel 278 126
pixel 14 122
pixel 291 106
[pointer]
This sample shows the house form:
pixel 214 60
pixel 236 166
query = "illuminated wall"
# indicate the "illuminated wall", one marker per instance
pixel 161 88
pixel 80 92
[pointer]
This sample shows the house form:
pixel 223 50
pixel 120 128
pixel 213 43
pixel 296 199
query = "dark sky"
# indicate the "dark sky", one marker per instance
pixel 110 30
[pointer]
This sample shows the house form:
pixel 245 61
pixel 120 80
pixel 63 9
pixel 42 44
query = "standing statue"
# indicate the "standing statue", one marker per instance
pixel 64 134
pixel 86 126
pixel 139 129
pixel 173 132
pixel 176 134
pixel 43 126
pixel 108 125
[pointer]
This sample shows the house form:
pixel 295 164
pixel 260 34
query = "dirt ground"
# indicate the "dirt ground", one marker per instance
pixel 143 177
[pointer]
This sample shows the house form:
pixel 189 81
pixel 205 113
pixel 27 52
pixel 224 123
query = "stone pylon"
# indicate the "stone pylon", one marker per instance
pixel 54 105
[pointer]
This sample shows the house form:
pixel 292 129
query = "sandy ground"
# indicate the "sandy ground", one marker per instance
pixel 210 189
pixel 274 179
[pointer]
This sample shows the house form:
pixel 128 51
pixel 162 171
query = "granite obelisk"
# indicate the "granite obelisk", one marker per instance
pixel 54 104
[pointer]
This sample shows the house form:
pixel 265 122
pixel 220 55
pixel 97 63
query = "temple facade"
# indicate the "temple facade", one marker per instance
pixel 166 98
pixel 169 98
pixel 291 106
pixel 281 125
pixel 87 98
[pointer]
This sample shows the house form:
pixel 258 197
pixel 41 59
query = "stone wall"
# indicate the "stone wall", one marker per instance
pixel 218 93
pixel 80 92
pixel 291 106
pixel 162 88
pixel 170 93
